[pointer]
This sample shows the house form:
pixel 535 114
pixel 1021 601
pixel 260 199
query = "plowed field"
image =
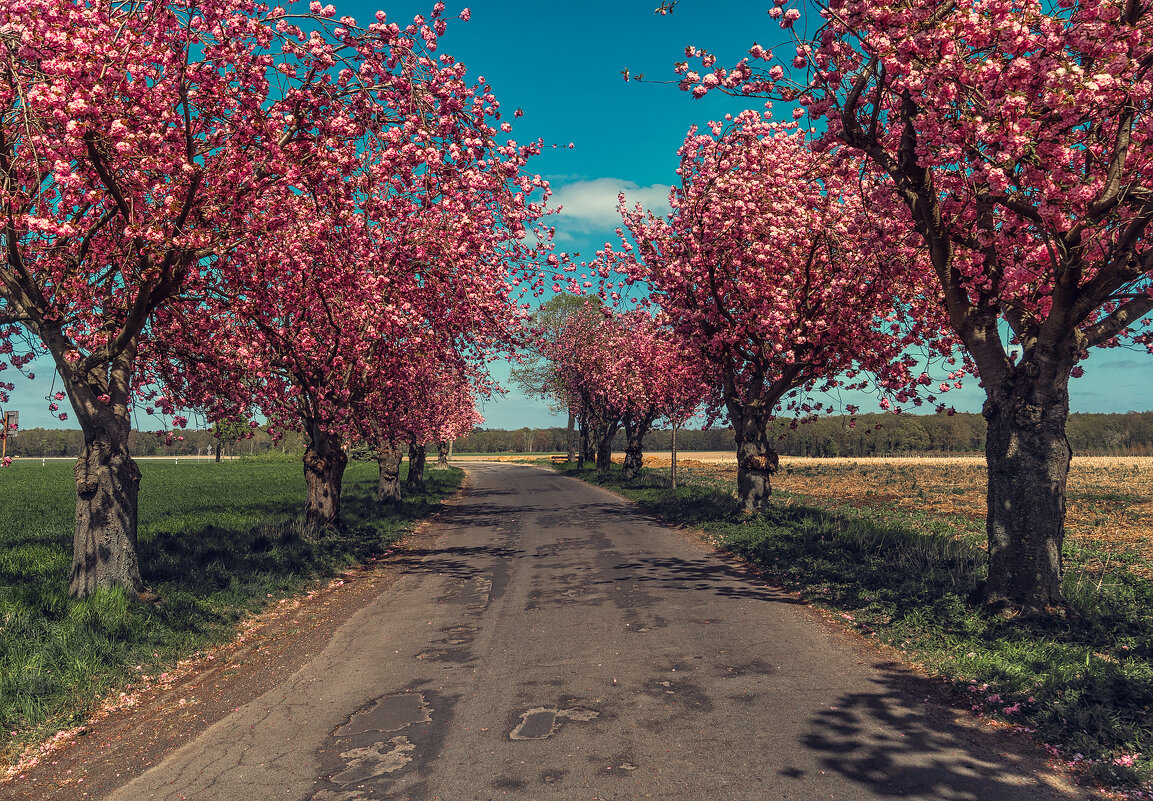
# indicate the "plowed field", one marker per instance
pixel 1110 498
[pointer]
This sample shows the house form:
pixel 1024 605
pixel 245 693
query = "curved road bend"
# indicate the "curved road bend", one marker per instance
pixel 555 644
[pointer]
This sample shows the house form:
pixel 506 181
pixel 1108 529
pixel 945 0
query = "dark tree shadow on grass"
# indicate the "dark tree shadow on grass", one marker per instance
pixel 210 576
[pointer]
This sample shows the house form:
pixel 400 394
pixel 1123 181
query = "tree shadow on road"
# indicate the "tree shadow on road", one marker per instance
pixel 457 562
pixel 707 574
pixel 893 744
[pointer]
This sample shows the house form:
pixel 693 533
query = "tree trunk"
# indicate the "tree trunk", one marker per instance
pixel 570 439
pixel 673 466
pixel 604 459
pixel 583 451
pixel 1028 457
pixel 756 460
pixel 442 455
pixel 416 458
pixel 388 456
pixel 107 485
pixel 219 449
pixel 634 446
pixel 324 463
pixel 104 548
pixel 603 432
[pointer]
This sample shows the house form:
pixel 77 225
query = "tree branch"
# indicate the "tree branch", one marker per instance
pixel 1119 320
pixel 106 177
pixel 1111 190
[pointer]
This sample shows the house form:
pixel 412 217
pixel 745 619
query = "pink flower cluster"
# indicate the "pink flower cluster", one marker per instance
pixel 775 269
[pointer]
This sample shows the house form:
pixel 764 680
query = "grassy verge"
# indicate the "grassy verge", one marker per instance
pixel 1083 684
pixel 217 541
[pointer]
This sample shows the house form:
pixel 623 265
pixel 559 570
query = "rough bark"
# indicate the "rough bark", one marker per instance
pixel 324 463
pixel 673 466
pixel 1028 458
pixel 570 439
pixel 442 455
pixel 104 550
pixel 756 459
pixel 585 445
pixel 417 455
pixel 635 431
pixel 389 455
pixel 756 463
pixel 603 433
pixel 219 449
pixel 604 457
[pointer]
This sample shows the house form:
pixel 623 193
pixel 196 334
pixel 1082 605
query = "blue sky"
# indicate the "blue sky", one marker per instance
pixel 561 63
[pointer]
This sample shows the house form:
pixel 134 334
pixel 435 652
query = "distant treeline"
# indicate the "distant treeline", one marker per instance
pixel 868 435
pixel 865 435
pixel 36 442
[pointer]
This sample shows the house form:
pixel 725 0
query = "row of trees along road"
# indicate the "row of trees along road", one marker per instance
pixel 243 209
pixel 611 371
pixel 976 172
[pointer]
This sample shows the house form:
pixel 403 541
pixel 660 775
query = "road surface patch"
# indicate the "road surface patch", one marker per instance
pixel 388 714
pixel 541 723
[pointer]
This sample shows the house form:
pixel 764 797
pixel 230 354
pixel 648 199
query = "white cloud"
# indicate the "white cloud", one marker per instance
pixel 592 205
pixel 560 177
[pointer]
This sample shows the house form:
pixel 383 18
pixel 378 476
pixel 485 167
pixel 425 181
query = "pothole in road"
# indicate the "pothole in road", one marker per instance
pixel 390 713
pixel 541 723
pixel 375 760
pixel 535 724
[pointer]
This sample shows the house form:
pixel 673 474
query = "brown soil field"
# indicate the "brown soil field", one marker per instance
pixel 1110 498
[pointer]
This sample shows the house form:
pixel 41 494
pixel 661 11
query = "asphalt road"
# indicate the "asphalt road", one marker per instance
pixel 555 644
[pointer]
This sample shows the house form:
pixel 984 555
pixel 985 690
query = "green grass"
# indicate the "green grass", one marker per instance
pixel 216 542
pixel 1084 683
